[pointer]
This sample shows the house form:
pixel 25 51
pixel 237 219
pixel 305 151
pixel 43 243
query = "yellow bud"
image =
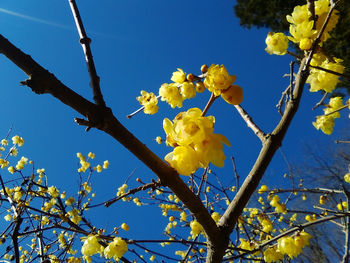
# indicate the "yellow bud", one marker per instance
pixel 190 77
pixel 204 68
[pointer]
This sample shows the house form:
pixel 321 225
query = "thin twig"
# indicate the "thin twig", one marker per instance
pixel 210 102
pixel 339 109
pixel 85 42
pixel 250 123
pixel 281 101
pixel 330 71
pixel 311 8
pixel 347 230
pixel 318 38
pixel 235 172
pixel 138 110
pixel 318 104
pixel 339 141
pixel 130 192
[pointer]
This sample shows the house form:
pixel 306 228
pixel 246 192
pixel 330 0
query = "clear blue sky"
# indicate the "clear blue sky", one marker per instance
pixel 136 45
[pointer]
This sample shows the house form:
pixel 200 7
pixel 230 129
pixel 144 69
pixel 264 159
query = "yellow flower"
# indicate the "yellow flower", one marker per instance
pixel 347 178
pixel 116 249
pixel 321 80
pixel 159 139
pixel 187 90
pixel 263 189
pixel 286 245
pixel 321 10
pixel 196 228
pixel 183 159
pixel 91 246
pixel 149 101
pixel 188 127
pixel 183 216
pixel 69 201
pixel 325 123
pixel 210 150
pixel 74 215
pixel 4 142
pixel 8 217
pixel 200 87
pixel 52 190
pixel 178 76
pixel 195 133
pixel 303 33
pixel 271 254
pixel 105 164
pixel 171 94
pixel 16 140
pixel 215 216
pixel 299 15
pixel 99 168
pixel 277 43
pixel 11 169
pixel 218 79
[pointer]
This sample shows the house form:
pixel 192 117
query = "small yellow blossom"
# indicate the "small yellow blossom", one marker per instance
pixel 91 246
pixel 116 249
pixel 8 217
pixel 16 140
pixel 179 76
pixel 4 142
pixel 196 228
pixel 277 43
pixel 105 164
pixel 347 177
pixel 171 94
pixel 158 139
pixel 99 168
pixel 263 189
pixel 218 79
pixel 149 101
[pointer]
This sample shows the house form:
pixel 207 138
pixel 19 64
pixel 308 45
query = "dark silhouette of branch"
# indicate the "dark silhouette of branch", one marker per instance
pixel 85 42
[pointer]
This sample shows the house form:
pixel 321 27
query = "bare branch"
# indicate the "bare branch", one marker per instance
pixel 250 123
pixel 43 82
pixel 85 42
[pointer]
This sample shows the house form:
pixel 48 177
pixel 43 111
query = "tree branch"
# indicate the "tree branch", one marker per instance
pixel 42 82
pixel 272 143
pixel 85 42
pixel 246 117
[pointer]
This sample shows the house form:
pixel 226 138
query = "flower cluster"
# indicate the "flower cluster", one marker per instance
pixel 185 86
pixel 320 79
pixel 85 164
pixel 326 122
pixel 182 88
pixel 302 28
pixel 195 143
pixel 115 249
pixel 291 246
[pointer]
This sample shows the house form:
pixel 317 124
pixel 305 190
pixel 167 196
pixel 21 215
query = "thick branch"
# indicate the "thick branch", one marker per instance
pixel 272 143
pixel 41 81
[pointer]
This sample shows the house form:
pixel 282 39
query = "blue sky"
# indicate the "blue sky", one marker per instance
pixel 137 45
